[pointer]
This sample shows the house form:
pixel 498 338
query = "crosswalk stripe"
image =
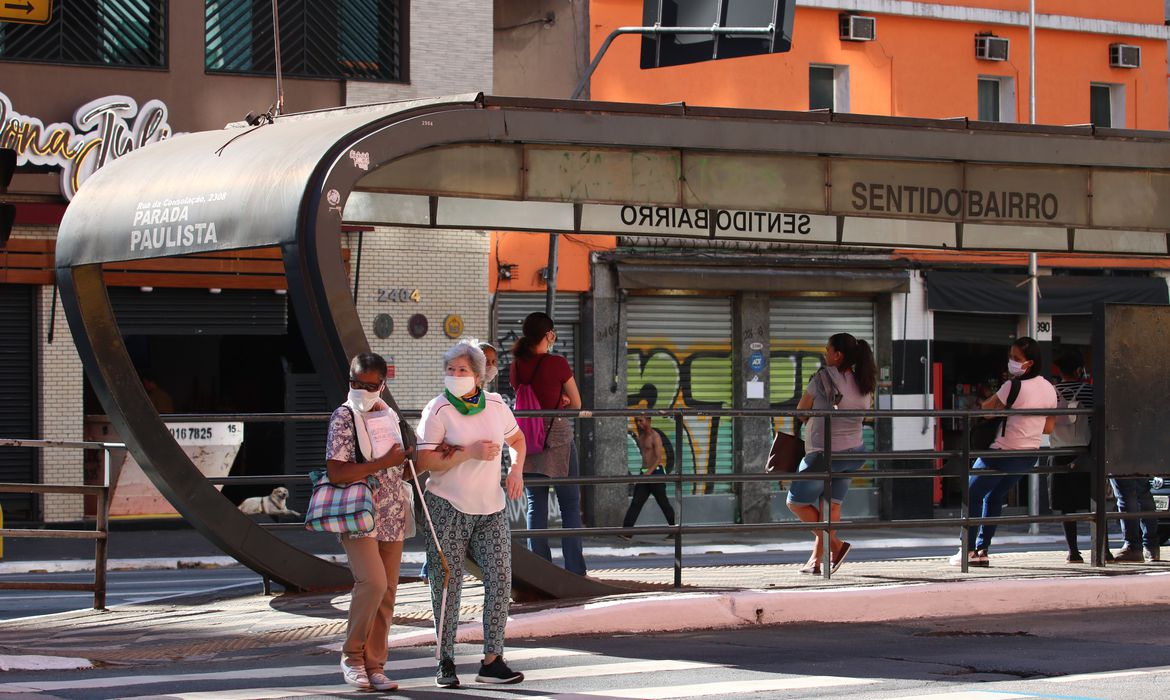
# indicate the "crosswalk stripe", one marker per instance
pixel 1106 675
pixel 545 674
pixel 123 681
pixel 265 673
pixel 731 687
pixel 969 695
pixel 612 669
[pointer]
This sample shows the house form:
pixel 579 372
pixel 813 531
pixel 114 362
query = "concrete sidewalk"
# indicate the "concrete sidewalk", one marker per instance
pixel 208 628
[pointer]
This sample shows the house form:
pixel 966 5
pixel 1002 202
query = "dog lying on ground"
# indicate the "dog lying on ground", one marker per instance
pixel 272 504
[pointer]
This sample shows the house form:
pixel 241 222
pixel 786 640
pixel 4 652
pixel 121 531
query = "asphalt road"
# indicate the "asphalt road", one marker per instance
pixel 1118 654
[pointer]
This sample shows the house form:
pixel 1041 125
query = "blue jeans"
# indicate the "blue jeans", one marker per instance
pixel 569 497
pixel 810 492
pixel 1133 496
pixel 988 493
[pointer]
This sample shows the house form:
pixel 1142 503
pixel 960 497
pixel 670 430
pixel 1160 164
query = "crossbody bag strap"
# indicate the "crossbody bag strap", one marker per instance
pixel 535 369
pixel 826 381
pixel 1013 394
pixel 357 445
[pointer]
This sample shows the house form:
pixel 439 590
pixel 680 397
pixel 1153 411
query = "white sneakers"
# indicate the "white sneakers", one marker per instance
pixel 354 676
pixel 358 678
pixel 976 557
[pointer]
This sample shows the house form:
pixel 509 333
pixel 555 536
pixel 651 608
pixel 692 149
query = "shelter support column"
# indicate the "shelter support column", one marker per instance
pixel 608 335
pixel 750 383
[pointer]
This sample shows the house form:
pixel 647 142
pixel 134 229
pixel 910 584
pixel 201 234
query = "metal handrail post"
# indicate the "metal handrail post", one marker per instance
pixel 101 545
pixel 678 493
pixel 1100 524
pixel 965 501
pixel 827 501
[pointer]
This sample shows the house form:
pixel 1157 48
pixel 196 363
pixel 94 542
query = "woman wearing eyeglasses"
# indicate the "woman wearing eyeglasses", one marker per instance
pixel 364 440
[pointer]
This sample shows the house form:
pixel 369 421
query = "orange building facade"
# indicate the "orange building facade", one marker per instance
pixel 921 63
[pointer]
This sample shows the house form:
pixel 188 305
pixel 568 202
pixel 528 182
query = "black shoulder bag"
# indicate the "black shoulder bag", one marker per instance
pixel 986 431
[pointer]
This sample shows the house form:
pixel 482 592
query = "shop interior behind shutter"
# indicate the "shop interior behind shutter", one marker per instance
pixel 234 351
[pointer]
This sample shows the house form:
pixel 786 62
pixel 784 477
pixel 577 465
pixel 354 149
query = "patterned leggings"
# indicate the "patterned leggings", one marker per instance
pixel 488 539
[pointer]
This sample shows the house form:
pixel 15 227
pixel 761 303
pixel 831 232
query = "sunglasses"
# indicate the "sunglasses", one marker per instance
pixel 368 386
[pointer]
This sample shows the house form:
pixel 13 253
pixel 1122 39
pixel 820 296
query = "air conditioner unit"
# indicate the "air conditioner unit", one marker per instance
pixel 991 48
pixel 858 28
pixel 1125 56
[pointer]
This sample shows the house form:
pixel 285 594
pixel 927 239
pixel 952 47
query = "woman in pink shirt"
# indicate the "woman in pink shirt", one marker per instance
pixel 1020 433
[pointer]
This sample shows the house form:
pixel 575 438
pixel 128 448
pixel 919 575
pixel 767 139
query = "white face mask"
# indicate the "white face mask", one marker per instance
pixel 364 400
pixel 459 386
pixel 1015 368
pixel 492 373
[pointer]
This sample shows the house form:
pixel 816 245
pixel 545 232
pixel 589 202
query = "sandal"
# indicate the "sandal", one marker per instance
pixel 839 556
pixel 812 566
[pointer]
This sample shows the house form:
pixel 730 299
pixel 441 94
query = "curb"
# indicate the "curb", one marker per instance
pixel 419 557
pixel 696 611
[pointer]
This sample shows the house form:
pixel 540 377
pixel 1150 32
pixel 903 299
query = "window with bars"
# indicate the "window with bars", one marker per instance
pixel 345 39
pixel 131 33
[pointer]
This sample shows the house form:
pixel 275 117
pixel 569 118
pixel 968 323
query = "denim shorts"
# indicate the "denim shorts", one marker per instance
pixel 808 492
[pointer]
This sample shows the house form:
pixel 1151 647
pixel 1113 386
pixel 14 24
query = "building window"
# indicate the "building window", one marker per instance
pixel 997 99
pixel 355 39
pixel 828 88
pixel 130 33
pixel 1107 105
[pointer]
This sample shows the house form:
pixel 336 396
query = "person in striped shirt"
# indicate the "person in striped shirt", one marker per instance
pixel 1070 492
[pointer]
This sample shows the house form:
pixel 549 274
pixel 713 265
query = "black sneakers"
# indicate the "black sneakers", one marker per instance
pixel 497 672
pixel 445 676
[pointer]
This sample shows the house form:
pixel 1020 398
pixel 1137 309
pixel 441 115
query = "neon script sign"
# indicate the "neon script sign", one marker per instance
pixel 102 130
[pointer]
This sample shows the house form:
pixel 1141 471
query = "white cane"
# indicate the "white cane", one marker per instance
pixel 442 559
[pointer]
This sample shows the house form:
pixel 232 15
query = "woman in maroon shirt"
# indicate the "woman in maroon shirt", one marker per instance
pixel 552 381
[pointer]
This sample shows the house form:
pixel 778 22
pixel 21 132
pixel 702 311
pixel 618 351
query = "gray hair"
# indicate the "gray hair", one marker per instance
pixel 474 357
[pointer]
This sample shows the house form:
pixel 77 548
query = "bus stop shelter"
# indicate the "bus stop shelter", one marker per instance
pixel 480 162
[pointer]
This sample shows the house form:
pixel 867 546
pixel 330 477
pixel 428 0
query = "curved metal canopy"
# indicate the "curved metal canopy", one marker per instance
pixel 476 162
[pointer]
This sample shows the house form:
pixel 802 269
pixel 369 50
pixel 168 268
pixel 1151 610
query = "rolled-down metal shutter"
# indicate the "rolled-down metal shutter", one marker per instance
pixel 986 329
pixel 511 310
pixel 199 312
pixel 17 397
pixel 678 351
pixel 304 443
pixel 1073 330
pixel 799 329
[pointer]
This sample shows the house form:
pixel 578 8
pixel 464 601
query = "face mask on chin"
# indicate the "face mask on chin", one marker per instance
pixel 364 400
pixel 459 386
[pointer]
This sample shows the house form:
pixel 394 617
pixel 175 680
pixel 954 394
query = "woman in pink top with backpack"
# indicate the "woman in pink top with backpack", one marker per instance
pixel 1019 433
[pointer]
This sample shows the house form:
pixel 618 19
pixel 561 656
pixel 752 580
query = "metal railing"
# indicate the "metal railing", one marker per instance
pixel 100 533
pixel 1098 516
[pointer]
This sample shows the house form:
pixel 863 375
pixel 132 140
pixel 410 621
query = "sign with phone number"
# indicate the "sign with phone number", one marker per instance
pixel 200 434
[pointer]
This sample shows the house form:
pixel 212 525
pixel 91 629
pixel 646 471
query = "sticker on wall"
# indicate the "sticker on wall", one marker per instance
pixel 756 362
pixel 383 326
pixel 453 326
pixel 417 325
pixel 390 367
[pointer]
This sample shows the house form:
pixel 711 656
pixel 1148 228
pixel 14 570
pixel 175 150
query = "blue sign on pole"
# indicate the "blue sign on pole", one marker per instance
pixel 756 362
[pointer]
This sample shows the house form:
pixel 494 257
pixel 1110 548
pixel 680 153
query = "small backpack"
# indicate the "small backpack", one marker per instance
pixel 1071 431
pixel 535 429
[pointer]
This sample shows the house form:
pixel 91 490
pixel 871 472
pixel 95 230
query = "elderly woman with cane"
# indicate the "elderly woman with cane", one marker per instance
pixel 466 506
